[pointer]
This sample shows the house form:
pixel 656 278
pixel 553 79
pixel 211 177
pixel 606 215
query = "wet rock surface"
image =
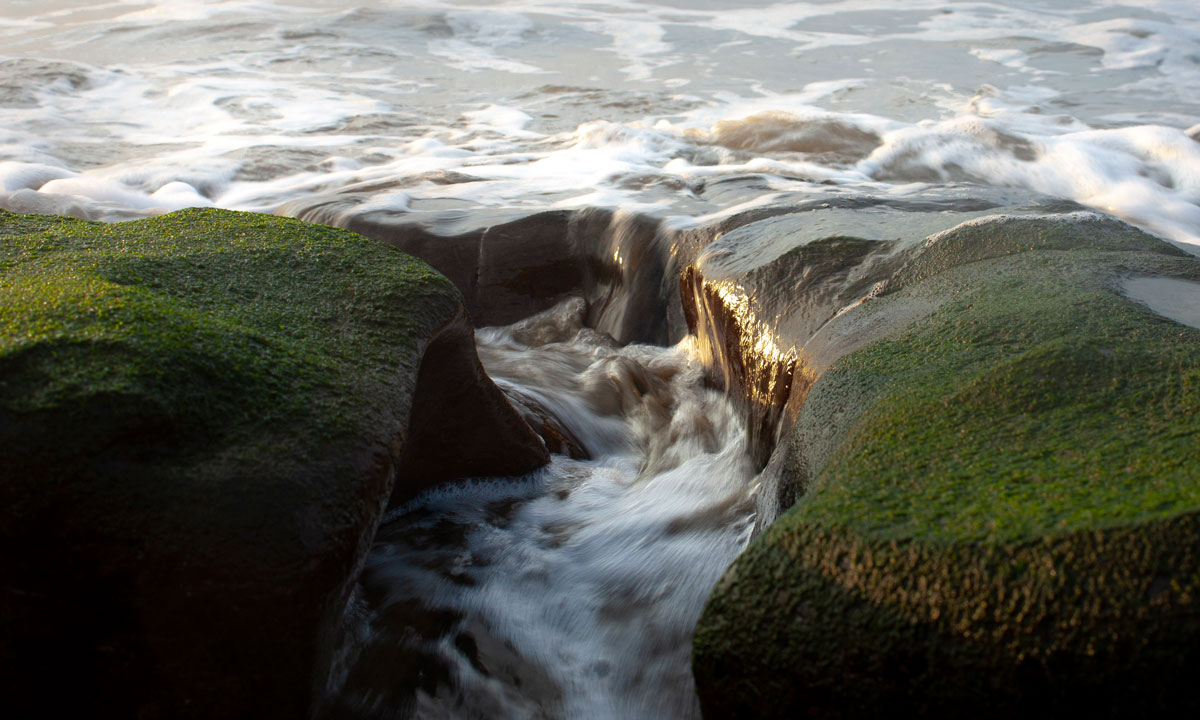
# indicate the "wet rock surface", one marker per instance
pixel 758 296
pixel 511 265
pixel 201 416
pixel 981 416
pixel 461 424
pixel 995 490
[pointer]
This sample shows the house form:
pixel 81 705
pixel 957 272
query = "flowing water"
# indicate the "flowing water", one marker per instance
pixel 572 592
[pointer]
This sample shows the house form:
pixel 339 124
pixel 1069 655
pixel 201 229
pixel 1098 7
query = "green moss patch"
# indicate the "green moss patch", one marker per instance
pixel 1034 403
pixel 1009 519
pixel 208 327
pixel 200 415
pixel 823 623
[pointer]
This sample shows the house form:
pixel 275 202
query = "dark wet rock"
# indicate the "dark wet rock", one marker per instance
pixel 631 275
pixel 997 500
pixel 510 265
pixel 554 433
pixel 825 140
pixel 525 266
pixel 461 425
pixel 200 419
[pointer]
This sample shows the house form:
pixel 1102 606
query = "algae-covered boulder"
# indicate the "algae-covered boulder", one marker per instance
pixel 200 418
pixel 999 494
pixel 762 293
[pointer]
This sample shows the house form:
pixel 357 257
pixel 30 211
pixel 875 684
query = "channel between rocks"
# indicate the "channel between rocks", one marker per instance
pixel 766 302
pixel 754 289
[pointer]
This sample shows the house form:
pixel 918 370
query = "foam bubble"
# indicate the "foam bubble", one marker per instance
pixel 177 195
pixel 1010 57
pixel 172 196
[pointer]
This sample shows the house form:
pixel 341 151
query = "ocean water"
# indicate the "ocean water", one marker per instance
pixel 118 109
pixel 572 592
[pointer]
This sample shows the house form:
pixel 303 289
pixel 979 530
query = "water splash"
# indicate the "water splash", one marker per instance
pixel 571 592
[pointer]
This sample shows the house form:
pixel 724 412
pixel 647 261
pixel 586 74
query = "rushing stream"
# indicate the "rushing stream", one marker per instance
pixel 571 592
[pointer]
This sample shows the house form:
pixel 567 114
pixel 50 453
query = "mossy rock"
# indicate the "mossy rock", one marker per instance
pixel 1001 501
pixel 200 419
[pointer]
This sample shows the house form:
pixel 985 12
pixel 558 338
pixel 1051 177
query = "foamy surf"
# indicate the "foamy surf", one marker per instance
pixel 141 108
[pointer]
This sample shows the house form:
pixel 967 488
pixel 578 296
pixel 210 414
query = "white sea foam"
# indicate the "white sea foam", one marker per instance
pixel 19 176
pixel 505 120
pixel 301 98
pixel 476 37
pixel 1004 56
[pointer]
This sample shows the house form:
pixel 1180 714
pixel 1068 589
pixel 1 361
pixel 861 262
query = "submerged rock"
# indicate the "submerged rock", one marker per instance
pixel 998 493
pixel 200 420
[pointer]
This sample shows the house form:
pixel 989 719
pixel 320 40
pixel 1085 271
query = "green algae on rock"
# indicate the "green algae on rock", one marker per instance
pixel 200 418
pixel 999 497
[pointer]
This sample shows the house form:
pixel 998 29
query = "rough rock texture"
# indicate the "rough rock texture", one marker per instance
pixel 512 263
pixel 200 416
pixel 998 495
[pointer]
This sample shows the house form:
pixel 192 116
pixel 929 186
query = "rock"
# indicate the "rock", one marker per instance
pixel 508 265
pixel 757 295
pixel 462 425
pixel 511 264
pixel 554 433
pixel 200 419
pixel 999 496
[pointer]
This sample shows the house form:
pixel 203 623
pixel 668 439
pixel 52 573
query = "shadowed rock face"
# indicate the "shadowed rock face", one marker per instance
pixel 508 266
pixel 201 416
pixel 997 493
pixel 511 264
pixel 462 425
pixel 646 281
